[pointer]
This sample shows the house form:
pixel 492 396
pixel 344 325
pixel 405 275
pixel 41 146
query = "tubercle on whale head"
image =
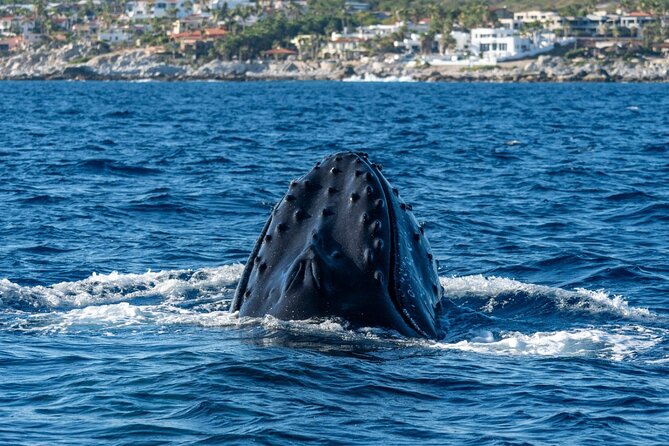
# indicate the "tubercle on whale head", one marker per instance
pixel 341 243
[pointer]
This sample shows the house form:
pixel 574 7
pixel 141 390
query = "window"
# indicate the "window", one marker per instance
pixel 502 46
pixel 485 47
pixel 494 47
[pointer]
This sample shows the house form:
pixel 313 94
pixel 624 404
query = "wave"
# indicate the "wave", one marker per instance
pixel 99 165
pixel 42 199
pixel 499 294
pixel 485 294
pixel 368 77
pixel 611 343
pixel 100 289
pixel 106 303
pixel 615 343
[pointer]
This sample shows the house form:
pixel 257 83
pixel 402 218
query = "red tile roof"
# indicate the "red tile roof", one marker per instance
pixel 215 32
pixel 279 52
pixel 187 35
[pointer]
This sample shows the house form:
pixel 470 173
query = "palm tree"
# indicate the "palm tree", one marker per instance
pixel 40 14
pixel 426 42
pixel 446 39
pixel 627 5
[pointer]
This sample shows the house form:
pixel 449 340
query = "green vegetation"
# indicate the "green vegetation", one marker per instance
pixel 248 39
pixel 79 60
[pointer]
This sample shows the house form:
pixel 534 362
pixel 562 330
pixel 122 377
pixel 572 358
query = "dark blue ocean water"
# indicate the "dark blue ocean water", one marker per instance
pixel 127 209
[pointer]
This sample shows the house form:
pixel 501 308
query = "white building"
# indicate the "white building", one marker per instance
pixel 635 19
pixel 462 40
pixel 549 19
pixel 499 44
pixel 357 6
pixel 115 35
pixel 144 10
pixel 7 24
pixel 346 46
pixel 218 4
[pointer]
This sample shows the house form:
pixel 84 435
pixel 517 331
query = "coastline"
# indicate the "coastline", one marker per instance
pixel 88 62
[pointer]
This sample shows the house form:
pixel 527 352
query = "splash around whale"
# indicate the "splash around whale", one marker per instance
pixel 342 243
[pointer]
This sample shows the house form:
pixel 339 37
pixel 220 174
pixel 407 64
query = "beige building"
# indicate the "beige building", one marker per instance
pixel 550 20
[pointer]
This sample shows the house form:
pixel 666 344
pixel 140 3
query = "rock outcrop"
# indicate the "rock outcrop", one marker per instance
pixel 97 62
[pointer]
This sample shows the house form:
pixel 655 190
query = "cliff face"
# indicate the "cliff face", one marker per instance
pixel 94 61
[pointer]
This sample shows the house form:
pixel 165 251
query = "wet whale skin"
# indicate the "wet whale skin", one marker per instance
pixel 341 243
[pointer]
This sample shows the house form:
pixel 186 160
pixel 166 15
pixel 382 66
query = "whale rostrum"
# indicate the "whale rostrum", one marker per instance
pixel 342 243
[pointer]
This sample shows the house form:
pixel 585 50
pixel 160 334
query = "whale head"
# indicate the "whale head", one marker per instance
pixel 342 243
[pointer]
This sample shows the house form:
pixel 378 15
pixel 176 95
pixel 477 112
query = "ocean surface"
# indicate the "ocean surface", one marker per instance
pixel 127 211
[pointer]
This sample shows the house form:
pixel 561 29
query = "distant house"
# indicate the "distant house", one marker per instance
pixel 198 43
pixel 346 46
pixel 215 33
pixel 498 44
pixel 218 4
pixel 582 26
pixel 60 23
pixel 87 30
pixel 280 5
pixel 156 9
pixel 635 20
pixel 190 23
pixel 11 44
pixel 115 35
pixel 9 24
pixel 307 45
pixel 501 13
pixel 27 25
pixel 410 44
pixel 549 19
pixel 355 6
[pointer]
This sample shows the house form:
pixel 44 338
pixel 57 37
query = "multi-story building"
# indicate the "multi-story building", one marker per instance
pixel 635 19
pixel 9 24
pixel 497 44
pixel 549 19
pixel 145 10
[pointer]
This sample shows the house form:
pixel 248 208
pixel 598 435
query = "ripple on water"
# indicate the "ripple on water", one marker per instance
pixel 547 211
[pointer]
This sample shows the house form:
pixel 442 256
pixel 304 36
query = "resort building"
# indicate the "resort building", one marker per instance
pixel 190 23
pixel 115 35
pixel 280 5
pixel 11 44
pixel 354 6
pixel 347 46
pixel 549 19
pixel 635 20
pixel 213 5
pixel 499 44
pixel 9 24
pixel 145 10
pixel 198 42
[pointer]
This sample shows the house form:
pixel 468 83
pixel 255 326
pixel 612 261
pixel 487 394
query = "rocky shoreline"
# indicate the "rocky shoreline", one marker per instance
pixel 95 62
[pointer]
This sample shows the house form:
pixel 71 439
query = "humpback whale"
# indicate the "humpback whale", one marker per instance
pixel 342 243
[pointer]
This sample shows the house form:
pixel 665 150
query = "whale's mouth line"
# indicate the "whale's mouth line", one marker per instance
pixel 393 240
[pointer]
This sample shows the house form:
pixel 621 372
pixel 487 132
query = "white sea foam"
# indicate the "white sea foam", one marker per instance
pixel 612 343
pixel 498 292
pixel 492 293
pixel 99 289
pixel 105 303
pixel 615 343
pixel 368 77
